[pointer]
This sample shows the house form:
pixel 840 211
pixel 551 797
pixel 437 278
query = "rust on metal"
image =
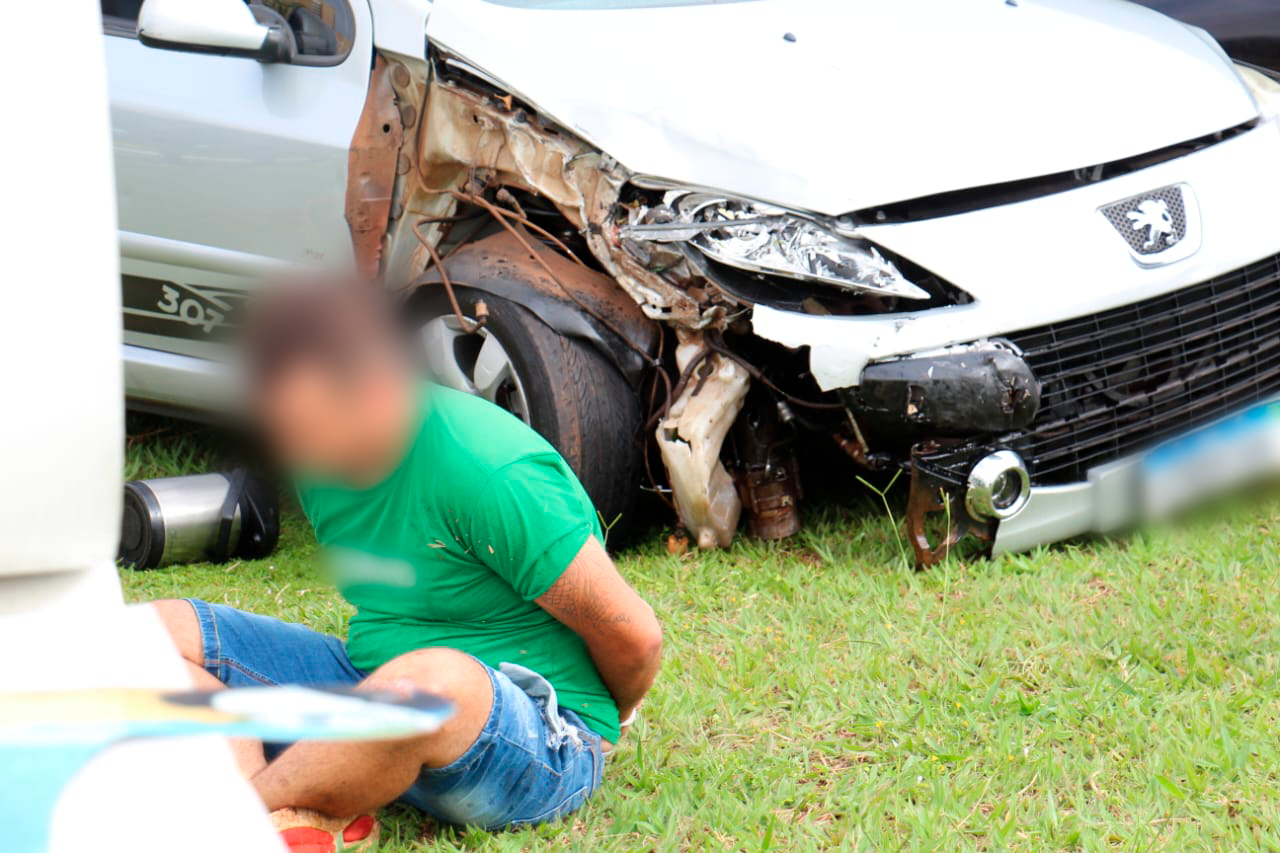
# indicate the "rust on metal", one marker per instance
pixel 408 115
pixel 678 543
pixel 468 325
pixel 466 150
pixel 767 473
pixel 771 496
pixel 503 257
pixel 371 170
pixel 938 498
pixel 469 138
pixel 855 449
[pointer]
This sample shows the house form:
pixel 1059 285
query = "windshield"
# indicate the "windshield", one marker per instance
pixel 607 4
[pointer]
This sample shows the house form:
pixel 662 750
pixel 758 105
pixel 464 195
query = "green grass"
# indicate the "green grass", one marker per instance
pixel 816 694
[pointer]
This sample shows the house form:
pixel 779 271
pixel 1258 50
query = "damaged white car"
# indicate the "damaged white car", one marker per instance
pixel 1020 249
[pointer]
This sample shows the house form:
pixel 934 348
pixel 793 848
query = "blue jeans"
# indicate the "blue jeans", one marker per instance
pixel 532 762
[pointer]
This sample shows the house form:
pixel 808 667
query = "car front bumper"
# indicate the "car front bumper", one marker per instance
pixel 1114 494
pixel 1110 340
pixel 1104 503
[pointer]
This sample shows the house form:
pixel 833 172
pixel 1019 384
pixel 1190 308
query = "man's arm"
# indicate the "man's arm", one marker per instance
pixel 619 627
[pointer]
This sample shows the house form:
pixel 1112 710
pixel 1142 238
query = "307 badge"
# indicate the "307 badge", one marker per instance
pixel 157 307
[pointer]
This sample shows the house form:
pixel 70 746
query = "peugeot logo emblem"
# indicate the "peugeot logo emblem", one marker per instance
pixel 1160 226
pixel 1153 216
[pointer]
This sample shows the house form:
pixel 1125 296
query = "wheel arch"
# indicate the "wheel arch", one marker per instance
pixel 500 265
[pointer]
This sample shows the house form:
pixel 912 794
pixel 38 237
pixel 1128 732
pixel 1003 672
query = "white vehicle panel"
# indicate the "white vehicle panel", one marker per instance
pixel 956 94
pixel 1048 259
pixel 400 26
pixel 228 152
pixel 227 170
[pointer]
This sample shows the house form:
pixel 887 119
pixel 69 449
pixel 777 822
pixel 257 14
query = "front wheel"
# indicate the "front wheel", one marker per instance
pixel 562 387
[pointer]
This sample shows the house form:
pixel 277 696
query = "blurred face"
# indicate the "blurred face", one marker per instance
pixel 355 429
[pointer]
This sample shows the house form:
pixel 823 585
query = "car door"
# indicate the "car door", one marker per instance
pixel 228 170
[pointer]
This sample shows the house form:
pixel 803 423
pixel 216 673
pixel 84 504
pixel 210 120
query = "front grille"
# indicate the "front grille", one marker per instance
pixel 1120 381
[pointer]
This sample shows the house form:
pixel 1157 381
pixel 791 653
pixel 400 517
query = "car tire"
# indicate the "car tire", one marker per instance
pixel 563 387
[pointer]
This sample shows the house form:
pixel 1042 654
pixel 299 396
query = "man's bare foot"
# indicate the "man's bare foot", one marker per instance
pixel 306 831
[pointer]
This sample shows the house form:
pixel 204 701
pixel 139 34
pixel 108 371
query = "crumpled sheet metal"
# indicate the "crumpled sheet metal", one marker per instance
pixel 407 257
pixel 464 134
pixel 371 169
pixel 501 258
pixel 690 438
pixel 467 132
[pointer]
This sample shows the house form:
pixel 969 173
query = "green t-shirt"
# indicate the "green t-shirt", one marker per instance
pixel 481 517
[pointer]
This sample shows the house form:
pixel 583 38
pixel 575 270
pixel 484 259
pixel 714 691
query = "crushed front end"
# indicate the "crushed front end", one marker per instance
pixel 1011 335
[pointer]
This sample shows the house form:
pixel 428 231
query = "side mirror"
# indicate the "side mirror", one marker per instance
pixel 226 27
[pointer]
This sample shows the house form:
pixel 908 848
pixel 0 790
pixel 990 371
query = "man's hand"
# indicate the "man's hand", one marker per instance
pixel 619 628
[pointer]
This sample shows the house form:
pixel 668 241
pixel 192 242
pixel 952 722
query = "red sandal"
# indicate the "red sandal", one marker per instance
pixel 306 831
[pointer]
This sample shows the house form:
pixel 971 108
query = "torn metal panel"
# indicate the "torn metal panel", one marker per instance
pixel 371 170
pixel 413 203
pixel 496 140
pixel 500 264
pixel 463 141
pixel 690 439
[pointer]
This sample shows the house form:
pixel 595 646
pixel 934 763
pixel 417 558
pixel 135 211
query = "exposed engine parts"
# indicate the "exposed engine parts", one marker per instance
pixel 482 192
pixel 767 472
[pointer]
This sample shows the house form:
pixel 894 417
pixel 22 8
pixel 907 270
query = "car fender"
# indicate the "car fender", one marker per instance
pixel 574 300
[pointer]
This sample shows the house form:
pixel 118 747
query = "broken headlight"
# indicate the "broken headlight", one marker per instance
pixel 769 240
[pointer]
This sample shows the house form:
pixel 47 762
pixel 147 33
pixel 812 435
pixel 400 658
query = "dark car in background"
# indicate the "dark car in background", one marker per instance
pixel 1249 30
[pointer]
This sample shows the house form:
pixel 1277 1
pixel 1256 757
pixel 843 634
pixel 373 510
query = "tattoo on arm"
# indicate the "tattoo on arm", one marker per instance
pixel 576 597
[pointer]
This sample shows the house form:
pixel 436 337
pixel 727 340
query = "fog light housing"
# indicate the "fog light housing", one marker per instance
pixel 999 486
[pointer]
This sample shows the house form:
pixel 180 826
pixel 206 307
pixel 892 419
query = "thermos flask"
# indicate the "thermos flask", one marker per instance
pixel 203 517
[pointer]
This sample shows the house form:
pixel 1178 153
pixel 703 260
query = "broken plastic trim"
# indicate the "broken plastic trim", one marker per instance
pixel 690 438
pixel 983 388
pixel 759 238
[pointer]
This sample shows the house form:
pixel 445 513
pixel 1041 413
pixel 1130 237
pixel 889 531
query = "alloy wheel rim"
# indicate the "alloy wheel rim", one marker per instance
pixel 477 363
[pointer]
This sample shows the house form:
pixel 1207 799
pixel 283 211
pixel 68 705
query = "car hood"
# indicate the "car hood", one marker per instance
pixel 839 106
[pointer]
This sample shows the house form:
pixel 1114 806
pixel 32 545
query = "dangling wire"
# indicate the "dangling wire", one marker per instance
pixel 469 326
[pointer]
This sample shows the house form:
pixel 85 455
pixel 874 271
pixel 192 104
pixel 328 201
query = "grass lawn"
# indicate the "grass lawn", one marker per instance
pixel 817 694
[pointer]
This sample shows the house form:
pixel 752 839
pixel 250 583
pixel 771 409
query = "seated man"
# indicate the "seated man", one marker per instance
pixel 474 560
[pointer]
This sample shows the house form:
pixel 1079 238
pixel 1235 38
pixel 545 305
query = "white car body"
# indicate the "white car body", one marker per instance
pixel 837 121
pixel 832 112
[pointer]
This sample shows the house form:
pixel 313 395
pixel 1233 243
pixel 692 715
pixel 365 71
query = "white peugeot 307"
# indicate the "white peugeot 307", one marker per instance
pixel 1019 249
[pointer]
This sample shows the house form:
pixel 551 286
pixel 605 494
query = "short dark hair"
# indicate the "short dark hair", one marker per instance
pixel 340 326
